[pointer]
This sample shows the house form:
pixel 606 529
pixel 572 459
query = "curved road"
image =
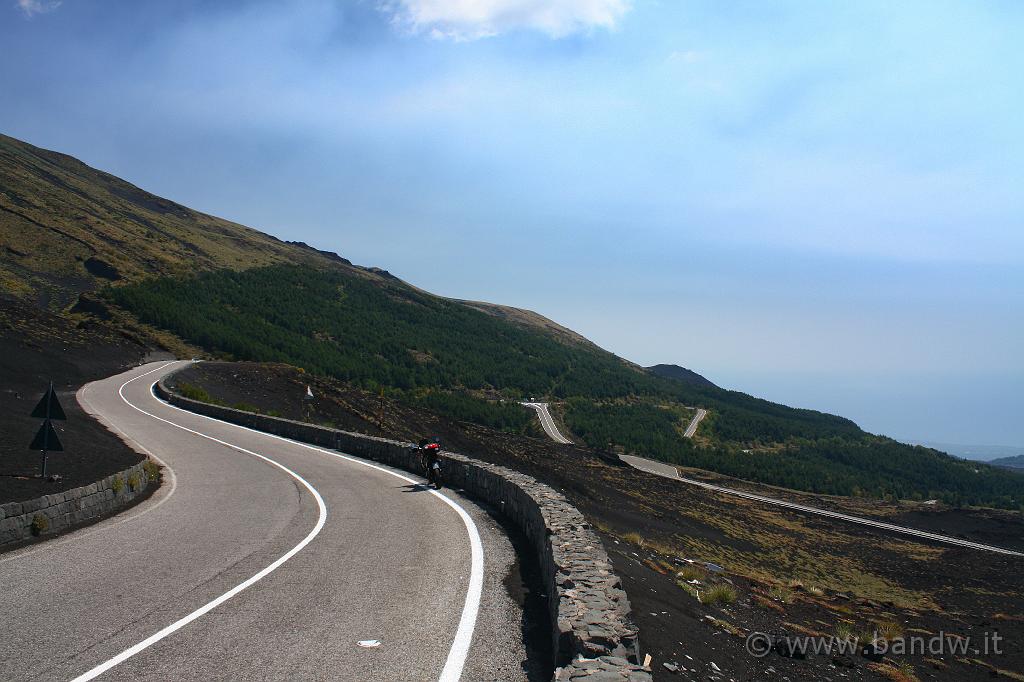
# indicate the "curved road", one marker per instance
pixel 548 422
pixel 260 558
pixel 668 471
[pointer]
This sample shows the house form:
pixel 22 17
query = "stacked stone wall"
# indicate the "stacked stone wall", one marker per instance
pixel 49 514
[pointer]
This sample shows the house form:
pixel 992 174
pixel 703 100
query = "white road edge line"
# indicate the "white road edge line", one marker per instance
pixel 459 651
pixel 177 625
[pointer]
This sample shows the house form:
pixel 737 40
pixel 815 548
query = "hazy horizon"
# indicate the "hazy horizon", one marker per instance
pixel 818 204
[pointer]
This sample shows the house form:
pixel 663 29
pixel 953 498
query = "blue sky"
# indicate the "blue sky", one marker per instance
pixel 817 202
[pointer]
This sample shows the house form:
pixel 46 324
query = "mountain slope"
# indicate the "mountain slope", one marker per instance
pixel 439 353
pixel 69 230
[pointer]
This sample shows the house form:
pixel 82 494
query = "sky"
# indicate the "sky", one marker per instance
pixel 817 202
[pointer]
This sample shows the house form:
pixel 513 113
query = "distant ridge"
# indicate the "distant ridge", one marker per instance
pixel 680 374
pixel 1009 462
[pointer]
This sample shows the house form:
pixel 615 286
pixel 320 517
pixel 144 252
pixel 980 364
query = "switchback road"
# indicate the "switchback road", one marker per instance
pixel 548 422
pixel 695 422
pixel 260 558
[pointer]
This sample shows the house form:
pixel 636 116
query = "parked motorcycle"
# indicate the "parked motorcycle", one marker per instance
pixel 431 451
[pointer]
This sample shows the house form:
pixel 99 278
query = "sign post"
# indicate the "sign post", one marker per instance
pixel 46 439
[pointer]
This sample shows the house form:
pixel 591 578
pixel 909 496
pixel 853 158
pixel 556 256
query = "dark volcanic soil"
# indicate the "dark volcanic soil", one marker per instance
pixel 791 573
pixel 35 348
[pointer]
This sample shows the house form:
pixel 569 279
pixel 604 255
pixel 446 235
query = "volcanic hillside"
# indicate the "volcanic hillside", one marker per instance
pixel 101 253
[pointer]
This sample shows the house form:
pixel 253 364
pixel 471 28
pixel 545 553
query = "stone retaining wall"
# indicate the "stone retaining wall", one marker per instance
pixel 592 635
pixel 71 507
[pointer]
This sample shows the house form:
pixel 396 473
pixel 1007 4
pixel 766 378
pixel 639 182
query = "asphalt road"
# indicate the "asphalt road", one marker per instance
pixel 260 558
pixel 548 422
pixel 669 471
pixel 695 422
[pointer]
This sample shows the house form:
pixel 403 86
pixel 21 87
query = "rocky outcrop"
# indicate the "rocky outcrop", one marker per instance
pixel 591 631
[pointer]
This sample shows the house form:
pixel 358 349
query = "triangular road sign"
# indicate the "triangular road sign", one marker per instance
pixel 49 400
pixel 46 439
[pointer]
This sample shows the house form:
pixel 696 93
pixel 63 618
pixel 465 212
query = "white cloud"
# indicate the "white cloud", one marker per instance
pixel 473 19
pixel 33 7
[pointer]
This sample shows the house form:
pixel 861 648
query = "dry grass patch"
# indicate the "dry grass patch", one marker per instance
pixel 844 632
pixel 655 566
pixel 718 595
pixel 897 672
pixel 803 630
pixel 635 539
pixel 692 572
pixel 1008 618
pixel 998 672
pixel 766 603
pixel 889 630
pixel 727 627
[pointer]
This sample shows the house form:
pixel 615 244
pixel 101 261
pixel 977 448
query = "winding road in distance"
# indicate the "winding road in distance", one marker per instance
pixel 691 430
pixel 548 423
pixel 669 471
pixel 259 558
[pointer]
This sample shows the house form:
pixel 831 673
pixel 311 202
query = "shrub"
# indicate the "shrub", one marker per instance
pixel 635 539
pixel 118 484
pixel 844 632
pixel 152 470
pixel 133 482
pixel 719 594
pixel 906 668
pixel 889 630
pixel 781 594
pixel 193 392
pixel 40 524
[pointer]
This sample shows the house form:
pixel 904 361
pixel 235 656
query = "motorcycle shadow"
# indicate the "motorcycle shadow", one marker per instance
pixel 417 488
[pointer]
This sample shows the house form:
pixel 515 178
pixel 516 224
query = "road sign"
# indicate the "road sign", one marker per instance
pixel 46 439
pixel 49 407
